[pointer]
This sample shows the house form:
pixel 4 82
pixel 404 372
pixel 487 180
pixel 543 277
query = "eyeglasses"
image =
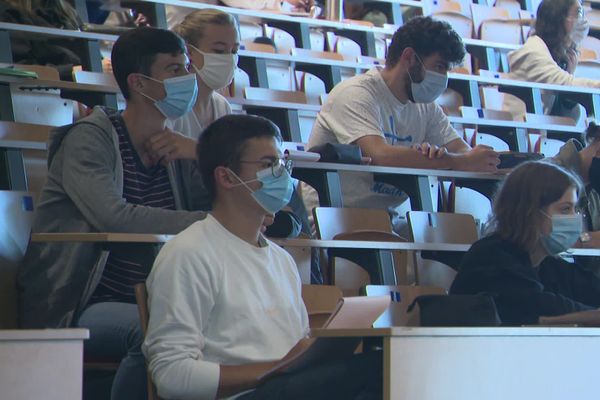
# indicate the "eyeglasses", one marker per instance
pixel 277 165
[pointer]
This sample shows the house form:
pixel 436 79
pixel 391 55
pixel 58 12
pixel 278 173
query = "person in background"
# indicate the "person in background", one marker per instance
pixel 585 163
pixel 225 302
pixel 535 218
pixel 550 56
pixel 391 115
pixel 102 178
pixel 212 39
pixel 176 14
pixel 59 53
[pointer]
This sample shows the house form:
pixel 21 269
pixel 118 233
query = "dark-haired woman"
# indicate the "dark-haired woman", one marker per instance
pixel 550 56
pixel 534 219
pixel 585 163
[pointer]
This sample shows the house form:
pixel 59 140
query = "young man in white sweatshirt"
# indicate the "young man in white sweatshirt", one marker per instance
pixel 225 302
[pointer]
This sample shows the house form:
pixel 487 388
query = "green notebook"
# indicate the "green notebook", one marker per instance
pixel 18 72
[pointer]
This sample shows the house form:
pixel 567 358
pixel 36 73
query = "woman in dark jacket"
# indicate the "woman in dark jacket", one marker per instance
pixel 534 219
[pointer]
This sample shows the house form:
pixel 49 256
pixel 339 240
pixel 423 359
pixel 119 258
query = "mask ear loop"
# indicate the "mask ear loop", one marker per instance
pixel 151 79
pixel 422 65
pixel 241 182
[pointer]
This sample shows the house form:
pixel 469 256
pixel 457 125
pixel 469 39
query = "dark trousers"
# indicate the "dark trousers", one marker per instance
pixel 358 377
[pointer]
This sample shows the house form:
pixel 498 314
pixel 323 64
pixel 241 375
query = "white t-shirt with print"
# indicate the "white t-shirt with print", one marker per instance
pixel 362 106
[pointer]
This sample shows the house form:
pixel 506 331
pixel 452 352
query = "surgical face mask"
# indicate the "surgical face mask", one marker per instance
pixel 580 31
pixel 181 93
pixel 218 69
pixel 566 229
pixel 430 88
pixel 276 191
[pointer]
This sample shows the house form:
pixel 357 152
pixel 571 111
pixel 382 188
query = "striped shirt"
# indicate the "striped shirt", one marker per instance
pixel 130 264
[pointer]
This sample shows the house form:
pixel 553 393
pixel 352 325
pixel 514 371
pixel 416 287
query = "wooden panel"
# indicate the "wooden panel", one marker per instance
pixel 274 95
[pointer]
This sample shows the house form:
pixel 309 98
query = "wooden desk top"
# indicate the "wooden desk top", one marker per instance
pixel 29 31
pixel 514 124
pixel 23 136
pixel 29 83
pixel 43 334
pixel 523 84
pixel 339 244
pixel 376 169
pixel 406 331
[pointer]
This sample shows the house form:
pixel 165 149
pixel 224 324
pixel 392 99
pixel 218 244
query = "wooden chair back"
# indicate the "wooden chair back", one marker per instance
pixel 258 47
pixel 141 298
pixel 306 54
pixel 282 39
pixel 16 210
pixel 490 140
pixel 451 102
pixel 402 296
pixel 357 224
pixel 463 25
pixel 311 85
pixel 254 93
pixel 320 301
pixel 431 227
pixel 331 221
pixel 348 48
pixel 548 147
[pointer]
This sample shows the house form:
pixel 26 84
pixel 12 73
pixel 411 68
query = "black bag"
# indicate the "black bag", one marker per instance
pixel 457 310
pixel 511 159
pixel 338 153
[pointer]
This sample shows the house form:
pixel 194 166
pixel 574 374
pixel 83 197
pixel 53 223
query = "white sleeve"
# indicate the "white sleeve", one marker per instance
pixel 538 66
pixel 351 114
pixel 254 4
pixel 439 130
pixel 181 292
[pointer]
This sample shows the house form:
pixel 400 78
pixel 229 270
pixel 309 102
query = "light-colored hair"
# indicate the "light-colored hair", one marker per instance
pixel 192 28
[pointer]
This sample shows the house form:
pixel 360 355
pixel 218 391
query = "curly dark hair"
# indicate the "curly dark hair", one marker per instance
pixel 550 27
pixel 427 36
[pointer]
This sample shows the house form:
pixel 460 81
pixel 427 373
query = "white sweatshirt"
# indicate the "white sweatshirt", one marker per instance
pixel 215 299
pixel 534 63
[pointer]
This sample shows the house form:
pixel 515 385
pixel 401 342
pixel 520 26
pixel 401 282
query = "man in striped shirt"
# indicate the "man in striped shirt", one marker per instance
pixel 103 178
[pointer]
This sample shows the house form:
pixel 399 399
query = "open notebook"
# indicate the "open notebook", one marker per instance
pixel 350 313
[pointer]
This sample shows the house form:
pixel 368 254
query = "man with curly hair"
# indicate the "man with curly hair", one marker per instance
pixel 389 112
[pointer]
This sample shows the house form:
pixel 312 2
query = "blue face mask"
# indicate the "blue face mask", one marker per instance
pixel 566 229
pixel 430 88
pixel 181 93
pixel 275 192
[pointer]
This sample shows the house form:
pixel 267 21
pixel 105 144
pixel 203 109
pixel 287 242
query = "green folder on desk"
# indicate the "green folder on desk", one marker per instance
pixel 18 72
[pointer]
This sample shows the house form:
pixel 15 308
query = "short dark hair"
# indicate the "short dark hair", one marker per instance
pixel 528 188
pixel 136 50
pixel 426 36
pixel 223 142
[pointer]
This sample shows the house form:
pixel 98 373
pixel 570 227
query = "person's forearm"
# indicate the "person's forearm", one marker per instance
pixel 410 158
pixel 237 378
